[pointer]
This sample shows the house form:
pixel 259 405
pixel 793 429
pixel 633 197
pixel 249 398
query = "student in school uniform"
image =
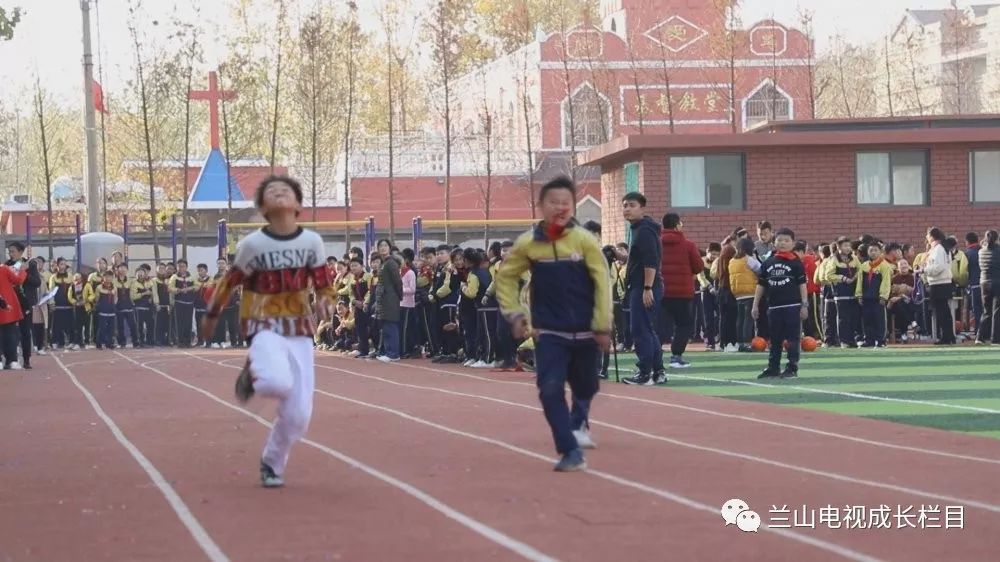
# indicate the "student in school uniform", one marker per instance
pixel 477 346
pixel 62 314
pixel 125 308
pixel 408 307
pixel 829 305
pixel 105 307
pixel 371 305
pixel 183 288
pixel 145 299
pixel 426 310
pixel 873 288
pixel 203 284
pixel 811 325
pixel 27 294
pixel 161 283
pixel 78 296
pixel 708 293
pixel 744 270
pixel 444 295
pixel 842 276
pixel 360 280
pixel 229 318
pixel 900 306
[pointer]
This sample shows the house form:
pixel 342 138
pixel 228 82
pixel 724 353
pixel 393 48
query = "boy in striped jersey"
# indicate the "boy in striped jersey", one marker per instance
pixel 277 266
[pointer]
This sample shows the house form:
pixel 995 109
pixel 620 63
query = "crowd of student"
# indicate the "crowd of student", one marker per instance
pixel 859 292
pixel 441 302
pixel 46 306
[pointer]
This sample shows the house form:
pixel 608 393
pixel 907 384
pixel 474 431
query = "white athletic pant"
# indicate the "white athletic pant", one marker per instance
pixel 283 368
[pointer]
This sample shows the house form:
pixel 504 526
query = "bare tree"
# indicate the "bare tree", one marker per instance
pixel 190 53
pixel 912 44
pixel 815 89
pixel 279 48
pixel 146 100
pixel 957 35
pixel 640 104
pixel 353 32
pixel 486 122
pixel 725 46
pixel 43 130
pixel 315 93
pixel 568 84
pixel 666 101
pixel 888 76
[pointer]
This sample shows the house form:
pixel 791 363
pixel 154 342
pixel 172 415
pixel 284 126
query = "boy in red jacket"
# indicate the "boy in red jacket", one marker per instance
pixel 810 326
pixel 11 313
pixel 680 264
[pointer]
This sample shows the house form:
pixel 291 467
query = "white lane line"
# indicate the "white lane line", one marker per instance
pixel 862 396
pixel 525 551
pixel 198 532
pixel 659 492
pixel 751 419
pixel 752 458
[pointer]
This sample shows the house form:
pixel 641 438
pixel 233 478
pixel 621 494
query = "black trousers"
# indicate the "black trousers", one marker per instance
pixel 199 315
pixel 362 326
pixel 830 322
pixel 873 315
pixel 145 326
pixel 940 300
pixel 24 330
pixel 812 327
pixel 228 322
pixel 62 326
pixel 680 316
pixel 183 316
pixel 9 336
pixel 38 335
pixel 848 316
pixel 727 317
pixel 450 340
pixel 989 325
pixel 427 319
pixel 163 325
pixel 786 326
pixel 709 305
pixel 126 317
pixel 81 328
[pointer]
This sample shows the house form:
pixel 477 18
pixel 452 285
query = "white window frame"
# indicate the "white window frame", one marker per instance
pixel 564 115
pixel 892 188
pixel 972 177
pixel 742 201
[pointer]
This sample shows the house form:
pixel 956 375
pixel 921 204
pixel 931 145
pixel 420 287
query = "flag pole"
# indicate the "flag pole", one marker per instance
pixel 93 185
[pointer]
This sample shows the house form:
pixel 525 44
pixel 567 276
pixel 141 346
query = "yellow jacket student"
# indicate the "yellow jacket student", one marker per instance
pixel 742 278
pixel 874 280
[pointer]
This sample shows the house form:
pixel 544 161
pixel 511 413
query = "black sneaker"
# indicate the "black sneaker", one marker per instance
pixel 769 373
pixel 660 377
pixel 572 461
pixel 639 379
pixel 244 384
pixel 268 478
pixel 790 372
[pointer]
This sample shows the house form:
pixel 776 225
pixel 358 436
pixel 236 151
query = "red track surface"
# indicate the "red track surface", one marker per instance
pixel 412 461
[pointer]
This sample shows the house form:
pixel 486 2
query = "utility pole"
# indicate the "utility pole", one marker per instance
pixel 90 127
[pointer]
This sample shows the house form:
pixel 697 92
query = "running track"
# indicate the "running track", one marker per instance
pixel 144 455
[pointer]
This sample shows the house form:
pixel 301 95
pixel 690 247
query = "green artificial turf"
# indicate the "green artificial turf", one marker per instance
pixel 956 389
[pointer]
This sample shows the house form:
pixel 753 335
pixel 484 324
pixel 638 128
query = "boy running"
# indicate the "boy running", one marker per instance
pixel 783 283
pixel 570 312
pixel 274 265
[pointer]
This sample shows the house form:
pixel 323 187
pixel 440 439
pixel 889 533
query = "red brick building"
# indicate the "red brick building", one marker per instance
pixel 892 178
pixel 569 92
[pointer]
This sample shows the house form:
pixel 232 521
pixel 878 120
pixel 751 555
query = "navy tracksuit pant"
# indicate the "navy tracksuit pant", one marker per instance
pixel 785 324
pixel 559 360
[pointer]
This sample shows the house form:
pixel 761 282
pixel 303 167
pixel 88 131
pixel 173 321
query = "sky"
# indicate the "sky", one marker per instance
pixel 48 41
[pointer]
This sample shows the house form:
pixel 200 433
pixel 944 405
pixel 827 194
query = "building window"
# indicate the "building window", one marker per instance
pixel 591 114
pixel 984 176
pixel 710 182
pixel 768 103
pixel 892 178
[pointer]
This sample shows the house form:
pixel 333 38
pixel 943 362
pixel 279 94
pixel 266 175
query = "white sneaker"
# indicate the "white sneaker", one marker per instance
pixel 469 363
pixel 226 345
pixel 216 346
pixel 583 439
pixel 481 365
pixel 387 359
pixel 354 353
pixel 40 351
pixel 15 366
pixel 128 346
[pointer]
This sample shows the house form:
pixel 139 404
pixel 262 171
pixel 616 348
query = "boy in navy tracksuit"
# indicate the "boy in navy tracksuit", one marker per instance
pixel 783 282
pixel 570 314
pixel 842 275
pixel 874 284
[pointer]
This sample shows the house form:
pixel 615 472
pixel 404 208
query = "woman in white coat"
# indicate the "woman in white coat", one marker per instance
pixel 937 276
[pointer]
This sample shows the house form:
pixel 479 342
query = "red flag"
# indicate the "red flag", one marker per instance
pixel 99 97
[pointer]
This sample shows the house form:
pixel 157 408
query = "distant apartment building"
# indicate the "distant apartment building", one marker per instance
pixel 943 61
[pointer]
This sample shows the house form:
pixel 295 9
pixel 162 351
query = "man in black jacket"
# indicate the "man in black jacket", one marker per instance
pixel 644 286
pixel 27 293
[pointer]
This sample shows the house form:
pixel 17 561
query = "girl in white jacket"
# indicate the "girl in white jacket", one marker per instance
pixel 937 276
